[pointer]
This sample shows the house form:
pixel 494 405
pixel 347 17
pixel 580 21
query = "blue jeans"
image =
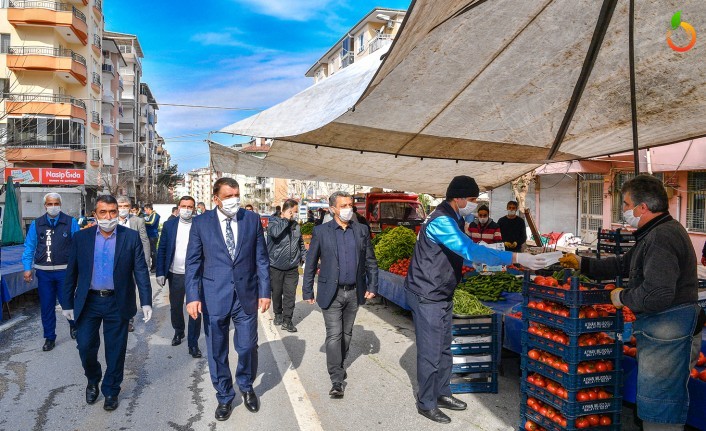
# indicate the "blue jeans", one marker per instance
pixel 49 285
pixel 664 343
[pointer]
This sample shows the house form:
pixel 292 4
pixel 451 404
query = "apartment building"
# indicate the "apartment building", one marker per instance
pixel 147 143
pixel 107 157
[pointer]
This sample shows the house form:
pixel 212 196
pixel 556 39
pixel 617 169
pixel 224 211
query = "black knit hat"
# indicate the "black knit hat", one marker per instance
pixel 462 186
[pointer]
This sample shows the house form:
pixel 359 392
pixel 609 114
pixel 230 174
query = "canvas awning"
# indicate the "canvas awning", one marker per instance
pixel 502 81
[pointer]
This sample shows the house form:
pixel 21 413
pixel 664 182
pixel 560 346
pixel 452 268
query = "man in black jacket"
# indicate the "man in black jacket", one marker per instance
pixel 349 276
pixel 286 249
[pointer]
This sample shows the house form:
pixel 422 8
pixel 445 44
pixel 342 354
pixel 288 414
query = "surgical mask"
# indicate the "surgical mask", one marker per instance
pixel 512 213
pixel 631 219
pixel 53 211
pixel 483 220
pixel 199 212
pixel 185 214
pixel 123 212
pixel 107 225
pixel 346 214
pixel 468 209
pixel 230 206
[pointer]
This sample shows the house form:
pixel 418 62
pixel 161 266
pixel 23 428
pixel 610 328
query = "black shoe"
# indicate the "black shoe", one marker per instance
pixel 110 403
pixel 195 352
pixel 48 345
pixel 153 271
pixel 289 326
pixel 251 402
pixel 336 390
pixel 177 339
pixel 435 414
pixel 130 327
pixel 223 411
pixel 91 393
pixel 278 319
pixel 451 403
pixel 72 332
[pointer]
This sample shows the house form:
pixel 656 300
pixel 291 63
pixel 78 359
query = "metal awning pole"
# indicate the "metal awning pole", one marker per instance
pixel 633 99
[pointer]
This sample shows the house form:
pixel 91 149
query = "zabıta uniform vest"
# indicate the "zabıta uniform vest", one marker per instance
pixel 435 270
pixel 53 243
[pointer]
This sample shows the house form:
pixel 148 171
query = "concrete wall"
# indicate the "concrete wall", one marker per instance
pixel 558 210
pixel 500 196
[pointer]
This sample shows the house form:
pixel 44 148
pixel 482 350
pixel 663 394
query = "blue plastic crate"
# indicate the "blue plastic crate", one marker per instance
pixel 572 352
pixel 574 325
pixel 595 293
pixel 548 424
pixel 571 408
pixel 573 380
pixel 474 344
pixel 475 367
pixel 474 383
pixel 478 325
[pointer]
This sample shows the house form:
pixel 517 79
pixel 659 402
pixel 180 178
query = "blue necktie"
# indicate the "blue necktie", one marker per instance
pixel 52 222
pixel 230 239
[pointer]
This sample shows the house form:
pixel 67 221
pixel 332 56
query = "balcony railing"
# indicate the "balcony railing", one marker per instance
pixel 42 145
pixel 108 129
pixel 108 68
pixel 347 59
pixel 98 5
pixel 47 50
pixel 379 41
pixel 95 155
pixel 44 98
pixel 120 83
pixel 96 79
pixel 120 110
pixel 97 40
pixel 95 117
pixel 51 5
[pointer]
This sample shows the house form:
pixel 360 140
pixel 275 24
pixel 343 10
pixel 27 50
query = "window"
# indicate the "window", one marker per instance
pixel 45 133
pixel 361 42
pixel 4 43
pixel 696 201
pixel 620 179
pixel 404 211
pixel 4 86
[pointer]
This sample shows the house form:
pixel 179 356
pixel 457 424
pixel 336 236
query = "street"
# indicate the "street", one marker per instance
pixel 166 389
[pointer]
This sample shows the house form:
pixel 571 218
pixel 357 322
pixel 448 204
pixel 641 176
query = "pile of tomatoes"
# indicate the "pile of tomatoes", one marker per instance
pixel 592 339
pixel 595 339
pixel 628 315
pixel 597 366
pixel 630 348
pixel 556 389
pixel 586 312
pixel 552 414
pixel 466 269
pixel 585 367
pixel 531 426
pixel 400 267
pixel 700 363
pixel 516 315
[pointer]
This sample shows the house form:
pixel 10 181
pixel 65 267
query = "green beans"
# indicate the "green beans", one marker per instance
pixel 468 305
pixel 490 287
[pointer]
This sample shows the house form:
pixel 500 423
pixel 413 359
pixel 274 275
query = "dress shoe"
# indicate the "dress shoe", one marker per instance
pixel 110 403
pixel 177 339
pixel 91 393
pixel 72 332
pixel 289 326
pixel 451 403
pixel 195 352
pixel 223 411
pixel 278 319
pixel 336 390
pixel 251 402
pixel 130 326
pixel 48 345
pixel 435 414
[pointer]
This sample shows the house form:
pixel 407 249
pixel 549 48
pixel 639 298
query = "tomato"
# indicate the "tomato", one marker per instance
pixel 582 423
pixel 533 354
pixel 539 279
pixel 632 352
pixel 541 306
pixel 702 360
pixel 633 340
pixel 582 396
pixel 601 368
pixel 694 373
pixel 531 426
pixel 605 420
pixel 626 348
pixel 591 313
pixel 702 375
pixel 593 420
pixel 608 365
pixel 609 286
pixel 592 395
pixel 563 422
pixel 543 411
pixel 532 304
pixel 565 367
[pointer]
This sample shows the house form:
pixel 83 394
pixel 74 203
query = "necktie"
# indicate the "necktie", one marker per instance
pixel 230 239
pixel 52 222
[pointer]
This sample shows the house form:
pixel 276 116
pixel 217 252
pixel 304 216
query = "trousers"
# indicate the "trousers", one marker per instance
pixel 339 318
pixel 177 291
pixel 49 284
pixel 284 291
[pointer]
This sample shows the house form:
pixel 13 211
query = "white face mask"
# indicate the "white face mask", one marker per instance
pixel 124 212
pixel 345 214
pixel 230 206
pixel 512 213
pixel 468 209
pixel 107 225
pixel 185 214
pixel 53 211
pixel 483 220
pixel 631 219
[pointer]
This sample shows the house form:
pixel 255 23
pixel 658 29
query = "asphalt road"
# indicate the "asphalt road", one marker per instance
pixel 166 389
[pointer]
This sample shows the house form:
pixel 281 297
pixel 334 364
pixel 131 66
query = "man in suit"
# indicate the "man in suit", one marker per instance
pixel 228 278
pixel 135 223
pixel 152 226
pixel 349 276
pixel 171 266
pixel 104 264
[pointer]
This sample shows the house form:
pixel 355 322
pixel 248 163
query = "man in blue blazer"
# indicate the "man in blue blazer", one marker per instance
pixel 349 276
pixel 228 278
pixel 104 264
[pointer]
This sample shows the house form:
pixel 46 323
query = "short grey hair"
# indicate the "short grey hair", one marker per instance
pixel 648 190
pixel 124 200
pixel 336 195
pixel 52 195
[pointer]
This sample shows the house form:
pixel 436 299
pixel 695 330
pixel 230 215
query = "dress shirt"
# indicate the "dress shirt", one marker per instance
pixel 125 222
pixel 222 219
pixel 182 240
pixel 103 261
pixel 345 243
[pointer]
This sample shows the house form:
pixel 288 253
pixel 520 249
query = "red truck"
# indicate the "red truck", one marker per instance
pixel 390 209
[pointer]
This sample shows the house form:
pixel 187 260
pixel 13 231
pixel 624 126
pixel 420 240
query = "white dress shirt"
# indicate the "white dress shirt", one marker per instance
pixel 233 224
pixel 182 240
pixel 125 222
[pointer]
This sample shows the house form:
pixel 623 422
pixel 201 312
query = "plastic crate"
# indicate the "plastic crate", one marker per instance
pixel 473 344
pixel 615 236
pixel 548 424
pixel 572 380
pixel 480 325
pixel 574 325
pixel 571 408
pixel 473 364
pixel 573 297
pixel 474 383
pixel 572 352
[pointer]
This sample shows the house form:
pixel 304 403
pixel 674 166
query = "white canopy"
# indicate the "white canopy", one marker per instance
pixel 503 81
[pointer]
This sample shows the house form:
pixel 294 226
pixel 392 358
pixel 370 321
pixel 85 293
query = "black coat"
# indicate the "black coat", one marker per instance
pixel 284 244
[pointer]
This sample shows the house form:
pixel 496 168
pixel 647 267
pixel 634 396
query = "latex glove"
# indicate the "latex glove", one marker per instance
pixel 513 245
pixel 69 314
pixel 615 297
pixel 161 280
pixel 507 244
pixel 570 261
pixel 531 261
pixel 147 312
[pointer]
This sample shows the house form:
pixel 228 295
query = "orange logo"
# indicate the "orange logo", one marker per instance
pixel 676 23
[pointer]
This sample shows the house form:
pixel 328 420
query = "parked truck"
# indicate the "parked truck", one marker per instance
pixel 390 209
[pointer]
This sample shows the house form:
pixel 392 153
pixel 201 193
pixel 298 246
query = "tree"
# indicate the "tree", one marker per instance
pixel 166 181
pixel 520 186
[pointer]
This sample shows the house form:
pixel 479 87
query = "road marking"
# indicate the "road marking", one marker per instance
pixel 13 322
pixel 304 411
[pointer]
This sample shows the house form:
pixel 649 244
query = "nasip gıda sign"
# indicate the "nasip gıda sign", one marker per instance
pixel 46 176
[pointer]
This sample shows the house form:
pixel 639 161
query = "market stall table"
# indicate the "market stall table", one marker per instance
pixel 13 274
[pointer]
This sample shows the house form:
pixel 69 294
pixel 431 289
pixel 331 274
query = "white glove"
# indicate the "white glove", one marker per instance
pixel 69 314
pixel 161 280
pixel 532 261
pixel 147 311
pixel 303 265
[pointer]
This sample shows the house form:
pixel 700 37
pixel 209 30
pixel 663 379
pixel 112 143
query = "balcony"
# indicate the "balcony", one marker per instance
pixel 128 126
pixel 126 149
pixel 108 68
pixel 66 64
pixel 96 82
pixel 150 118
pixel 120 83
pixel 120 110
pixel 45 104
pixel 98 9
pixel 97 44
pixel 62 16
pixel 108 97
pixel 96 120
pixel 95 157
pixel 347 59
pixel 380 41
pixel 108 129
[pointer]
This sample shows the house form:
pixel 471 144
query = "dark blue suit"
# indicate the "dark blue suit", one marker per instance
pixel 113 311
pixel 165 258
pixel 228 289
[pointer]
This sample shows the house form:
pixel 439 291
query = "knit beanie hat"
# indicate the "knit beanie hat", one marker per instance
pixel 462 186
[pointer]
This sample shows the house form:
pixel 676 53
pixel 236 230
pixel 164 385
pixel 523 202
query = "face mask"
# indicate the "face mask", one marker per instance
pixel 123 212
pixel 230 206
pixel 631 219
pixel 511 213
pixel 345 214
pixel 199 212
pixel 53 211
pixel 483 220
pixel 107 225
pixel 468 209
pixel 185 214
